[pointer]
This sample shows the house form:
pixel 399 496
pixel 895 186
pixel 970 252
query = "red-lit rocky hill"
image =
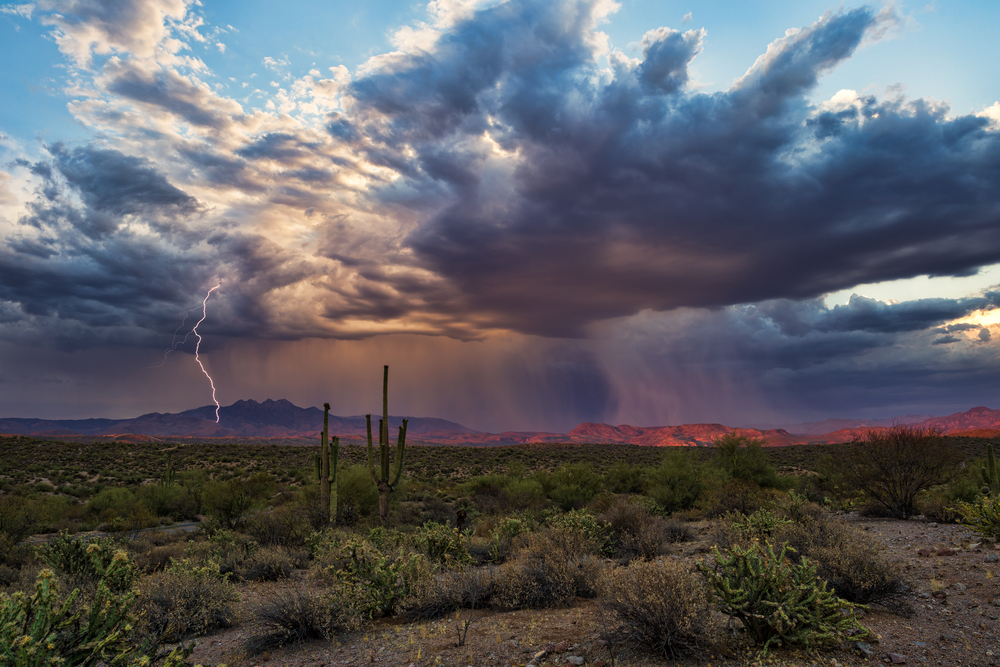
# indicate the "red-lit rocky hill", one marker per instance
pixel 281 421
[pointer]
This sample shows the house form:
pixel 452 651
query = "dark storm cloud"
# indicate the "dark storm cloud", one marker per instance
pixel 173 93
pixel 630 191
pixel 107 252
pixel 121 184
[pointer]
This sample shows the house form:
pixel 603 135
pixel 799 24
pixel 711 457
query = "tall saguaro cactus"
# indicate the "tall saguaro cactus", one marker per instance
pixel 990 475
pixel 326 468
pixel 385 479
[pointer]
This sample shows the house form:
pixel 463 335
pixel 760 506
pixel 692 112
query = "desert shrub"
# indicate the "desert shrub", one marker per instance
pixel 581 528
pixel 797 507
pixel 230 502
pixel 294 616
pixel 572 485
pixel 285 525
pixel 677 483
pixel 176 502
pixel 634 531
pixel 550 570
pixel 266 564
pixel 434 597
pixel 503 535
pixel 153 558
pixel 740 457
pixel 187 600
pixel 377 580
pixel 86 564
pixel 676 531
pixel 736 496
pixel 661 605
pixel 43 629
pixel 443 544
pixel 112 502
pixel 982 516
pixel 17 521
pixel 355 492
pixel 859 572
pixel 624 478
pixel 936 506
pixel 759 525
pixel 778 602
pixel 892 466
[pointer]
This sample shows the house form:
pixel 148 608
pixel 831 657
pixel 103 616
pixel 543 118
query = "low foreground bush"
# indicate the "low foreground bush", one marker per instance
pixel 779 602
pixel 434 597
pixel 550 570
pixel 291 617
pixel 635 531
pixel 662 605
pixel 187 601
pixel 82 564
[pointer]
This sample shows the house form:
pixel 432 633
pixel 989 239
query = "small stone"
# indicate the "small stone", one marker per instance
pixel 959 586
pixel 924 552
pixel 949 638
pixel 920 644
pixel 575 659
pixel 600 663
pixel 944 551
pixel 561 647
pixel 991 558
pixel 897 659
pixel 864 649
pixel 538 656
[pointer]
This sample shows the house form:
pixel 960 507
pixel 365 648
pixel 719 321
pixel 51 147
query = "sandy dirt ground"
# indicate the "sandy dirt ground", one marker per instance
pixel 956 600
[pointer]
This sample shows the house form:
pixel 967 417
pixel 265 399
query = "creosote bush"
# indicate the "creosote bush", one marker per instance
pixel 892 466
pixel 662 605
pixel 634 531
pixel 187 600
pixel 551 569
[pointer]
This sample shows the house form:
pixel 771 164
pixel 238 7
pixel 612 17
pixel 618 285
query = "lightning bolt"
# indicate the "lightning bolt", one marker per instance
pixel 174 342
pixel 194 330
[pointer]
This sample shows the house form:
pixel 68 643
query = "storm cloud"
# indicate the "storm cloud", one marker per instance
pixel 509 174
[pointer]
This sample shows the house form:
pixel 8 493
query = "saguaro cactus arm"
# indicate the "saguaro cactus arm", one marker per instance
pixel 371 455
pixel 400 445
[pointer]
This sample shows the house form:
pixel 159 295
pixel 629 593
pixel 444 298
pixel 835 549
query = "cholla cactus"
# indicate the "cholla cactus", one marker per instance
pixel 991 480
pixel 385 481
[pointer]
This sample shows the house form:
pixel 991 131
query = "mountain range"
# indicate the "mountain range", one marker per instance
pixel 282 420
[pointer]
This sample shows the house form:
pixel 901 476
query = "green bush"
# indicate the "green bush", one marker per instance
pixel 17 521
pixel 355 491
pixel 573 485
pixel 634 530
pixel 591 533
pixel 661 605
pixel 231 502
pixel 624 478
pixel 176 502
pixel 740 457
pixel 779 602
pixel 677 483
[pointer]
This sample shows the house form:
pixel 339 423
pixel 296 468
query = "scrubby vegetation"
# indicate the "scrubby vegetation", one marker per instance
pixel 464 529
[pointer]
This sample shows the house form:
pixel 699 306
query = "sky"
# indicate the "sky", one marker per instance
pixel 537 213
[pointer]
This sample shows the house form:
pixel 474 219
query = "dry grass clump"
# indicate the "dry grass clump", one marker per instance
pixel 186 601
pixel 550 570
pixel 662 605
pixel 267 564
pixel 294 616
pixel 472 588
pixel 635 531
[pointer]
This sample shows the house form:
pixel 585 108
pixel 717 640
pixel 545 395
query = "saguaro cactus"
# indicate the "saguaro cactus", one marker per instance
pixel 326 468
pixel 990 475
pixel 385 480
